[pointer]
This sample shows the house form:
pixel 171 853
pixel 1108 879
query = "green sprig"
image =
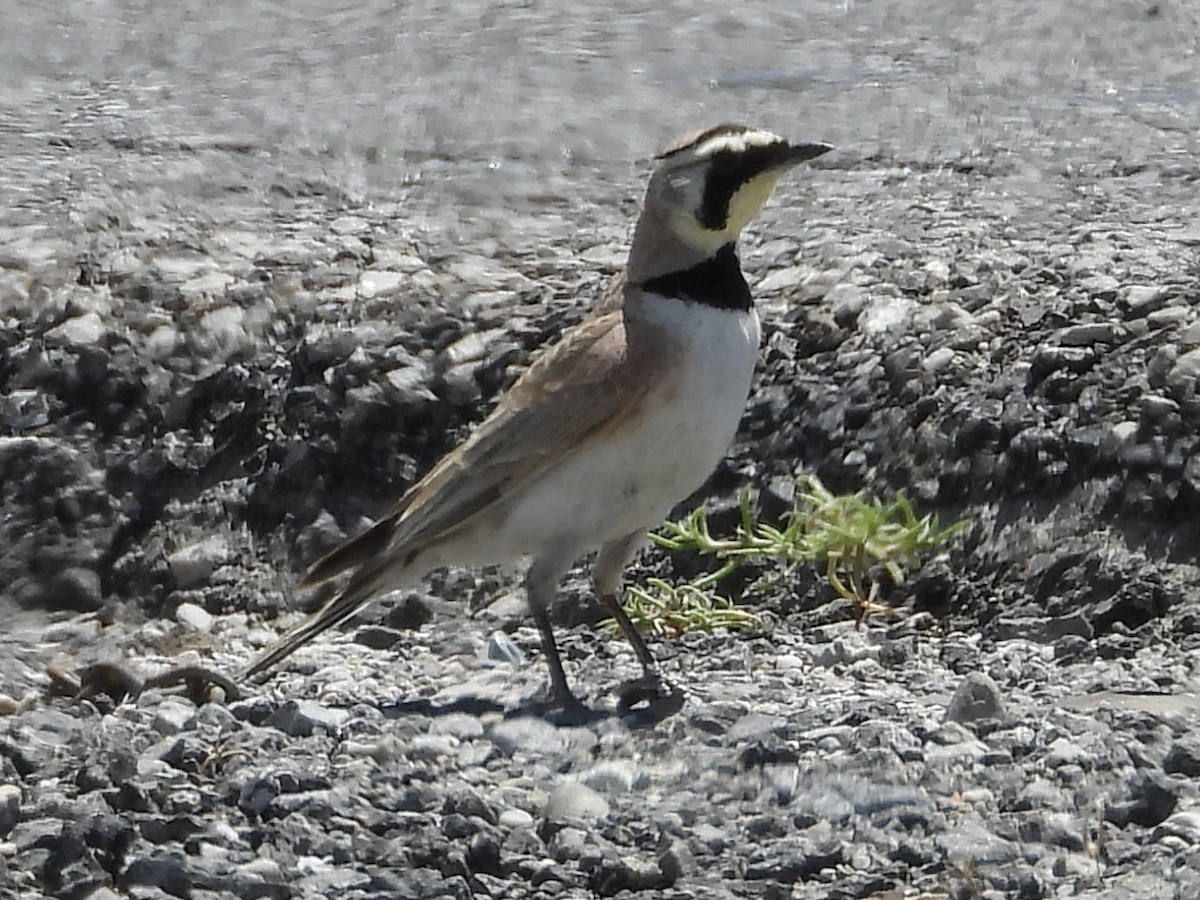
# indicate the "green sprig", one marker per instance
pixel 853 538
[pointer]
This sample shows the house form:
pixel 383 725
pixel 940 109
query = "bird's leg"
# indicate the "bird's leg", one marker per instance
pixel 560 691
pixel 612 604
pixel 540 584
pixel 606 574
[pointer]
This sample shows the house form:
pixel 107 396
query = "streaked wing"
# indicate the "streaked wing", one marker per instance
pixel 585 384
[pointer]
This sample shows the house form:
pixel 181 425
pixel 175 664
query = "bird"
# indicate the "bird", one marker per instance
pixel 607 430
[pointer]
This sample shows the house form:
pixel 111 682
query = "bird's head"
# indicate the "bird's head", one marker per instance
pixel 706 189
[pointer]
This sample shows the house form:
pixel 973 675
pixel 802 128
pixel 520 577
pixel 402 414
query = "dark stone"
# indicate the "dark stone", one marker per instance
pixel 1042 629
pixel 163 869
pixel 76 589
pixel 130 797
pixel 977 699
pixel 1152 798
pixel 188 753
pixel 1135 603
pixel 484 854
pixel 456 826
pixel 301 718
pixel 1184 757
pixel 471 804
pixel 410 613
pixel 377 637
pixel 771 751
pixel 1074 648
pixel 612 876
pixel 92 777
pixel 169 829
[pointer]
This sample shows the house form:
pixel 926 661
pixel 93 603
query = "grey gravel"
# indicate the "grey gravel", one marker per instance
pixel 255 280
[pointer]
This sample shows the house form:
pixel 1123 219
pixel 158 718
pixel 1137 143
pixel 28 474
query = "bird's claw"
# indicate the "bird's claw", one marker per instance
pixel 651 693
pixel 561 706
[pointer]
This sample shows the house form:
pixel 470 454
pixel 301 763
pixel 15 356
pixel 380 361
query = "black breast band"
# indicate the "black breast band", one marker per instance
pixel 716 282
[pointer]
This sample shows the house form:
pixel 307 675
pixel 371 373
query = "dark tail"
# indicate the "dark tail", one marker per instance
pixel 340 608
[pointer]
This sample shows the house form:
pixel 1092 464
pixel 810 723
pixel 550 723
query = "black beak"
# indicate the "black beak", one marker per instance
pixel 795 154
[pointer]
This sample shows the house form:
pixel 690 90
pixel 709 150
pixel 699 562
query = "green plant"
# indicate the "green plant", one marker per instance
pixel 856 540
pixel 675 609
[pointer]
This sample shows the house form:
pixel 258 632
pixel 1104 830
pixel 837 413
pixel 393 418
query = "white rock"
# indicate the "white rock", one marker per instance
pixel 162 341
pixel 211 283
pixel 1144 297
pixel 432 746
pixel 85 329
pixel 527 735
pixel 784 279
pixel 604 256
pixel 1125 431
pixel 1184 825
pixel 487 273
pixel 963 752
pixel 1064 751
pixel 398 260
pixel 611 776
pixel 938 359
pixel 885 314
pixel 515 818
pixel 178 268
pixel 300 718
pixel 499 648
pixel 573 800
pixel 225 323
pixel 191 565
pixel 938 269
pixel 376 284
pixel 845 300
pixel 344 225
pixel 171 716
pixel 193 617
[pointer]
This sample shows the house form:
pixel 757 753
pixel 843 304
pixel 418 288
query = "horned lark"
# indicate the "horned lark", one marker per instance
pixel 623 418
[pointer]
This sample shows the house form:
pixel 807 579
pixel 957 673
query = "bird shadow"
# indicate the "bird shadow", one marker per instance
pixel 644 715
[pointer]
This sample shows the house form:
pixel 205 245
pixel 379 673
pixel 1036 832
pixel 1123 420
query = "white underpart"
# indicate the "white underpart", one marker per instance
pixel 631 477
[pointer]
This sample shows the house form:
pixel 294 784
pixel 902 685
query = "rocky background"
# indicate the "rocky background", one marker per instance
pixel 261 267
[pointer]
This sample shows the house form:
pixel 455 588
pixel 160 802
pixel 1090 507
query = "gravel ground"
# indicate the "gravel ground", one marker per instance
pixel 249 291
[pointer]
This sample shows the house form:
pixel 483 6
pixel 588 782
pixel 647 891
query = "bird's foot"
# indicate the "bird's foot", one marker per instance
pixel 560 706
pixel 651 694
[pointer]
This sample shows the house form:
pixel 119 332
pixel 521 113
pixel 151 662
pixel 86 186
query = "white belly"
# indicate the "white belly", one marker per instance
pixel 631 477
